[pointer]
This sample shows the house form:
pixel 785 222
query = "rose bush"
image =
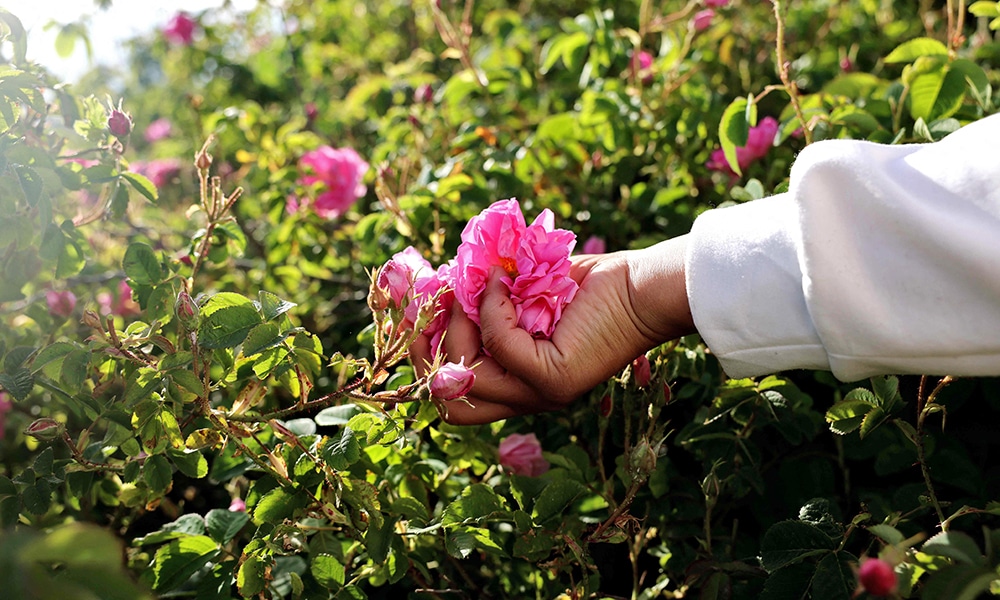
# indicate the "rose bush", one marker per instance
pixel 226 410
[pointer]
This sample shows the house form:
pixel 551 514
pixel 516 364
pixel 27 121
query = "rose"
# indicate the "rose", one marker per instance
pixel 641 371
pixel 716 3
pixel 759 142
pixel 180 29
pixel 120 304
pixel 452 381
pixel 160 171
pixel 594 245
pixel 158 130
pixel 119 122
pixel 703 19
pixel 340 172
pixel 61 304
pixel 237 505
pixel 877 577
pixel 522 455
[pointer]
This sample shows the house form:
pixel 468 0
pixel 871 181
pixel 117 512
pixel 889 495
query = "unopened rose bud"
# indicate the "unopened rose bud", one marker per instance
pixel 641 371
pixel 203 160
pixel 119 123
pixel 642 460
pixel 92 320
pixel 45 430
pixel 452 380
pixel 378 298
pixel 237 505
pixel 187 312
pixel 311 111
pixel 877 577
pixel 426 314
pixel 396 279
pixel 607 404
pixel 668 394
pixel 424 94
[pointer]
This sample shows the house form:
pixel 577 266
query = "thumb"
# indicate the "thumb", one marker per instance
pixel 511 346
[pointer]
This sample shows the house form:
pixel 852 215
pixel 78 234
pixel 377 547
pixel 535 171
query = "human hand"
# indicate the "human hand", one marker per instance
pixel 628 302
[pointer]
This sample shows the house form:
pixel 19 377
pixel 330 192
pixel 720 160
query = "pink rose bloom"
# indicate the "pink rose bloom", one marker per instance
pixel 237 505
pixel 160 171
pixel 411 281
pixel 703 19
pixel 5 407
pixel 452 381
pixel 643 61
pixel 158 130
pixel 120 304
pixel 759 142
pixel 180 29
pixel 340 171
pixel 522 455
pixel 61 304
pixel 594 245
pixel 535 259
pixel 716 3
pixel 641 371
pixel 877 577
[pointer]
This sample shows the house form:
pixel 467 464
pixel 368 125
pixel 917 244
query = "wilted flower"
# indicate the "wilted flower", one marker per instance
pixel 340 171
pixel 594 245
pixel 641 371
pixel 180 29
pixel 158 130
pixel 61 304
pixel 703 19
pixel 522 455
pixel 877 577
pixel 452 381
pixel 535 259
pixel 759 142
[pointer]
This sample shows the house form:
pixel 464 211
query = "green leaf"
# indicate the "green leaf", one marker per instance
pixel 336 415
pixel 119 200
pixel 18 383
pixel 184 526
pixel 789 542
pixel 227 327
pixel 847 415
pixel 984 8
pixel 190 462
pixel 51 353
pixel 834 579
pixel 887 533
pixel 272 306
pixel 250 577
pixel 378 538
pixel 277 505
pixel 141 265
pixel 477 501
pixel 223 525
pixel 555 498
pixel 177 561
pixel 157 473
pixel 955 545
pixel 872 420
pixel 733 130
pixel 262 337
pixel 37 498
pixel 343 452
pixel 959 582
pixel 140 385
pixel 911 50
pixel 327 571
pixel 142 185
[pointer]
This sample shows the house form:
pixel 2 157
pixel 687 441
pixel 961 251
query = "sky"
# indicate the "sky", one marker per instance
pixel 108 28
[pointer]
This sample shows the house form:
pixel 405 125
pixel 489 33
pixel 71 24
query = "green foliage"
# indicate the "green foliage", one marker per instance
pixel 239 422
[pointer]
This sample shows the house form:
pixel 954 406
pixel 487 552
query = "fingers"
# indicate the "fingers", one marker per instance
pixel 475 412
pixel 462 338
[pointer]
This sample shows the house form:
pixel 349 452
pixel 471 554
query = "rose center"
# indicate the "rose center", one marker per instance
pixel 508 264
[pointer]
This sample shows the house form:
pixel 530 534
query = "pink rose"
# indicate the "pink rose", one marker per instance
pixel 158 130
pixel 703 19
pixel 160 171
pixel 759 142
pixel 397 275
pixel 594 245
pixel 340 171
pixel 61 304
pixel 119 122
pixel 716 3
pixel 535 259
pixel 877 577
pixel 120 304
pixel 641 371
pixel 452 380
pixel 5 407
pixel 180 29
pixel 522 455
pixel 237 505
pixel 643 61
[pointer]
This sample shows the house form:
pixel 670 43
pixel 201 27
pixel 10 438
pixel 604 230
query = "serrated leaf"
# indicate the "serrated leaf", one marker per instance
pixel 378 539
pixel 192 463
pixel 272 306
pixel 223 525
pixel 227 327
pixel 183 526
pixel 141 265
pixel 178 560
pixel 847 415
pixel 142 185
pixel 51 353
pixel 342 452
pixel 834 578
pixel 477 501
pixel 18 383
pixel 959 582
pixel 955 545
pixel 250 577
pixel 555 498
pixel 911 50
pixel 262 337
pixel 872 420
pixel 157 473
pixel 887 533
pixel 277 505
pixel 789 542
pixel 327 571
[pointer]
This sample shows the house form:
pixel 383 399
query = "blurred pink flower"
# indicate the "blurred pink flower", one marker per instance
pixel 237 505
pixel 594 245
pixel 522 455
pixel 340 170
pixel 535 259
pixel 158 130
pixel 120 304
pixel 5 407
pixel 180 29
pixel 716 3
pixel 759 142
pixel 61 304
pixel 642 63
pixel 424 94
pixel 452 381
pixel 703 19
pixel 159 170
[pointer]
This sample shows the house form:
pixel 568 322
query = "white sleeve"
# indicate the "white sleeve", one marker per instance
pixel 879 259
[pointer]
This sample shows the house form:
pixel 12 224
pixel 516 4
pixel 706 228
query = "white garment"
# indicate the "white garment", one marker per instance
pixel 879 259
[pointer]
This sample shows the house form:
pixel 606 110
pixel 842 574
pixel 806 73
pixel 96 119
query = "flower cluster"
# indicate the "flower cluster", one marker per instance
pixel 339 173
pixel 759 142
pixel 411 283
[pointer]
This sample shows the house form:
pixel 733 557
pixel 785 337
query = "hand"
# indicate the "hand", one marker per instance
pixel 628 302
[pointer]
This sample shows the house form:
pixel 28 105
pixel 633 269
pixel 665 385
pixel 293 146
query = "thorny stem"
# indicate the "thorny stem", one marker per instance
pixel 319 403
pixel 922 413
pixel 790 87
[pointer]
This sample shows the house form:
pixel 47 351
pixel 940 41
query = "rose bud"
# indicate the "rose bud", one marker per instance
pixel 452 380
pixel 877 577
pixel 45 429
pixel 641 371
pixel 187 312
pixel 119 123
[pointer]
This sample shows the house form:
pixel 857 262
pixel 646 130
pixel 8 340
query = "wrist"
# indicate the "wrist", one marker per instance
pixel 657 290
